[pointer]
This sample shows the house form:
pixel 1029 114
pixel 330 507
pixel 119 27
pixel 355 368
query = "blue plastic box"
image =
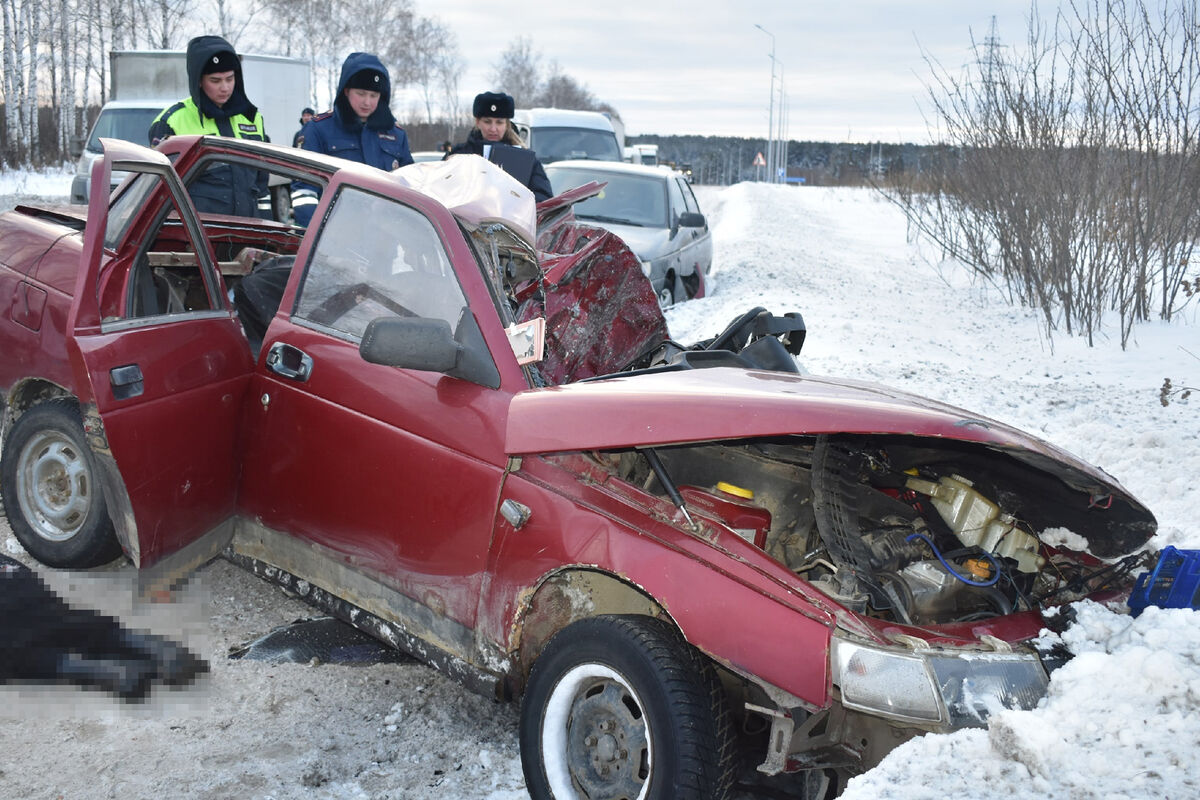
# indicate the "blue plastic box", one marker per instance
pixel 1173 583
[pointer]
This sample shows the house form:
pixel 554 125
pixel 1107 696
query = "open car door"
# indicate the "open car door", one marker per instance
pixel 165 359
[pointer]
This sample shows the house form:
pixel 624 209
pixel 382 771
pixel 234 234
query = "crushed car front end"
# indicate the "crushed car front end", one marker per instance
pixel 916 550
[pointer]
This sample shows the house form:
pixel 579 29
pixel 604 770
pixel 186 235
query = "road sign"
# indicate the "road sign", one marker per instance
pixel 759 161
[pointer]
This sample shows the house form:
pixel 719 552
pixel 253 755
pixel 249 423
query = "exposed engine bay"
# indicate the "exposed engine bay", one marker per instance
pixel 916 530
pixel 912 530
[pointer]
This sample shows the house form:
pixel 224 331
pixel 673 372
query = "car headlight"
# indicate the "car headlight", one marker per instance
pixel 952 689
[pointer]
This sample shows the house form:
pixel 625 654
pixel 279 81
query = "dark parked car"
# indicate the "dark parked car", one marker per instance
pixel 654 211
pixel 486 451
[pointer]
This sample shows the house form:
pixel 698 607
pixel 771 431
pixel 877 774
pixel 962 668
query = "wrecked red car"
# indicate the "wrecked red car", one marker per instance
pixel 469 434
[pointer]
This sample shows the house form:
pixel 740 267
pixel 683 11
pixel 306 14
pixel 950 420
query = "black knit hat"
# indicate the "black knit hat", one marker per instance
pixel 221 61
pixel 493 104
pixel 371 79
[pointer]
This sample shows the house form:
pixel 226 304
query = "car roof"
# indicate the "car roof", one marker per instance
pixel 618 167
pixel 555 117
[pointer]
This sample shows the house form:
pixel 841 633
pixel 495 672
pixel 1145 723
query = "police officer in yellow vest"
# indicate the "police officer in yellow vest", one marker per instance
pixel 218 106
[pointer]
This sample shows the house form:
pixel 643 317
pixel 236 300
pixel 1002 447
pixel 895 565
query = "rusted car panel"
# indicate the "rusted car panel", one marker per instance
pixel 473 444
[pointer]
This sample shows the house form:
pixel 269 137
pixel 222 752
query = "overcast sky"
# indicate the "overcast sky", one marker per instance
pixel 853 69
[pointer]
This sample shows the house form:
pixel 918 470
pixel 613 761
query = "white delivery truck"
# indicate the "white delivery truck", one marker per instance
pixel 642 154
pixel 144 82
pixel 556 134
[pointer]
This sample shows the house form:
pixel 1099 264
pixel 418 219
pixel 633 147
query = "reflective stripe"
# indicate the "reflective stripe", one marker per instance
pixel 304 197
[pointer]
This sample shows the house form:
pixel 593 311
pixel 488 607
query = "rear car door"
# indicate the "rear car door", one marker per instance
pixel 391 472
pixel 163 354
pixel 695 244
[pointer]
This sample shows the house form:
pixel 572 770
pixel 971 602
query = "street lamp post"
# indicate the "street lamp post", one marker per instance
pixel 770 111
pixel 781 146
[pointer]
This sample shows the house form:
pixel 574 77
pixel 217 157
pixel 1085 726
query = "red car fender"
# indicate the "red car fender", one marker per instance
pixel 622 561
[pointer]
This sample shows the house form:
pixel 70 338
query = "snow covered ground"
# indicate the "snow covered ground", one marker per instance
pixel 1121 720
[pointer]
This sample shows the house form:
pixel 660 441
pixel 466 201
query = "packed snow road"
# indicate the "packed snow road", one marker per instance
pixel 878 309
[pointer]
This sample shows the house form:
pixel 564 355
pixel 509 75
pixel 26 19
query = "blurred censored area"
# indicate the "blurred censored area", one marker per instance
pixel 45 640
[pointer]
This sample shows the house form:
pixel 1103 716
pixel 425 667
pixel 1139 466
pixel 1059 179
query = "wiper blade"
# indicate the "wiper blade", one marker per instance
pixel 614 220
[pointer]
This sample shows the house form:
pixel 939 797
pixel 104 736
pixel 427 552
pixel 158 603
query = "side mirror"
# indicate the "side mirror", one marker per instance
pixel 692 219
pixel 411 343
pixel 428 344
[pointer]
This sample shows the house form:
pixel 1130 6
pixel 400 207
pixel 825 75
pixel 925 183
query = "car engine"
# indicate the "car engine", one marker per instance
pixel 908 529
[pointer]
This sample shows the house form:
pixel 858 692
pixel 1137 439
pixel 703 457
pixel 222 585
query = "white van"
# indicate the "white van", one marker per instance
pixel 556 134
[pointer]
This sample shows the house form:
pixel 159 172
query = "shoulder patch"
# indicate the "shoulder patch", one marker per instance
pixel 172 109
pixel 322 115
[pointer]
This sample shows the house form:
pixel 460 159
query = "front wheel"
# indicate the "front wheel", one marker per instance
pixel 52 497
pixel 622 708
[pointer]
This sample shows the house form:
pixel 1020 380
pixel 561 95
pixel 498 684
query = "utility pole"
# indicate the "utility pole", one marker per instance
pixel 770 111
pixel 781 133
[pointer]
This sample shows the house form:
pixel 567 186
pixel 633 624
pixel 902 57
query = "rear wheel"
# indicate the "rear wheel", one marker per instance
pixel 52 497
pixel 621 708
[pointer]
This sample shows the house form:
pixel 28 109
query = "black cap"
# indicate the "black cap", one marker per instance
pixel 307 110
pixel 222 61
pixel 371 79
pixel 493 104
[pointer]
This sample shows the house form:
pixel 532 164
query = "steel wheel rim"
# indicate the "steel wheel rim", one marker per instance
pixel 596 736
pixel 54 486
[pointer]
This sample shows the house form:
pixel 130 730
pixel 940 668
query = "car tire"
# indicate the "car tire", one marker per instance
pixel 52 496
pixel 622 706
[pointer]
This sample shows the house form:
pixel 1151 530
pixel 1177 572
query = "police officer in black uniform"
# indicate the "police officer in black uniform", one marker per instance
pixel 494 138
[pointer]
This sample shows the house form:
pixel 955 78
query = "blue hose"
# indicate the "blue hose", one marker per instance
pixel 950 569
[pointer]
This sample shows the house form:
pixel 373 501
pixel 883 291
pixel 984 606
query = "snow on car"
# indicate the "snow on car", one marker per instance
pixel 483 449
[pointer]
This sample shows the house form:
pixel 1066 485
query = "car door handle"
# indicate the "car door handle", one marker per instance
pixel 126 381
pixel 290 362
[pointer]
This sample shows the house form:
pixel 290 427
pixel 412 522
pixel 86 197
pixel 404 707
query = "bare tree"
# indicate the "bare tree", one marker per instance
pixel 427 54
pixel 518 72
pixel 385 28
pixel 14 86
pixel 162 19
pixel 562 91
pixel 1070 176
pixel 449 68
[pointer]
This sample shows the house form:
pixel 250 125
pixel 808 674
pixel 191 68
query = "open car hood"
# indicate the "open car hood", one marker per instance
pixel 718 403
pixel 723 404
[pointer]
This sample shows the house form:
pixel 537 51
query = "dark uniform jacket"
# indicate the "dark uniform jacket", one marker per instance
pixel 378 142
pixel 518 162
pixel 223 188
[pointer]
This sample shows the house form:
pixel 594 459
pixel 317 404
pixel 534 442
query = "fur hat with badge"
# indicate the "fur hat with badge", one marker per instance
pixel 369 79
pixel 221 61
pixel 493 104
